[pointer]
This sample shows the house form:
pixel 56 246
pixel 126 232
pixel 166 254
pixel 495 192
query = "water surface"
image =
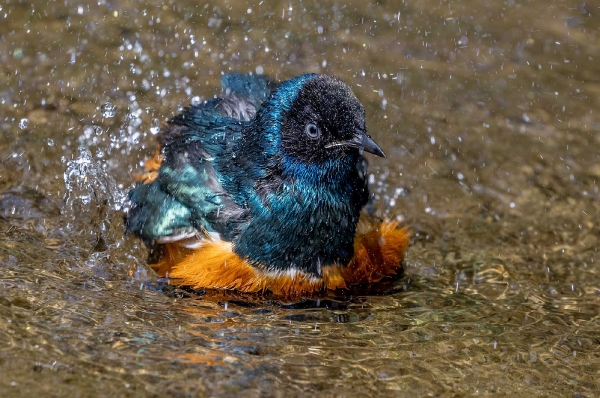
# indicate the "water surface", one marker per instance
pixel 489 114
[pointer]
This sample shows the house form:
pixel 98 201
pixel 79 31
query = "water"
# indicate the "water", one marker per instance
pixel 487 111
pixel 24 123
pixel 108 110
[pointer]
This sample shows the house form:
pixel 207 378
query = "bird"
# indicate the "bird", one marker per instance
pixel 261 189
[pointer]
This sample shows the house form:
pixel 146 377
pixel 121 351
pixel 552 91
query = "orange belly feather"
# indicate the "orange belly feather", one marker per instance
pixel 378 254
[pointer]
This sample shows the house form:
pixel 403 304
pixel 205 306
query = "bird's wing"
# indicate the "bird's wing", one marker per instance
pixel 254 88
pixel 185 200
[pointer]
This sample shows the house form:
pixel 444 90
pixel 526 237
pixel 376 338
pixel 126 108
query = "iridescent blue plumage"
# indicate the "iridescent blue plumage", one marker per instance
pixel 275 169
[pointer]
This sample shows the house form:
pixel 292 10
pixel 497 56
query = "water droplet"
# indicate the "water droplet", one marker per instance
pixel 319 267
pixel 108 110
pixel 24 123
pixel 155 126
pixel 88 184
pixel 195 101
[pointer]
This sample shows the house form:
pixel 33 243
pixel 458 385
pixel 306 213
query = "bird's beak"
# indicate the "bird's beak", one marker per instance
pixel 360 140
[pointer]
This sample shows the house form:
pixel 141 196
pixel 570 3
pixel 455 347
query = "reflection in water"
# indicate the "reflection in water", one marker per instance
pixel 488 112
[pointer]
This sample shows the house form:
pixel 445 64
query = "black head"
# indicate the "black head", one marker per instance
pixel 324 121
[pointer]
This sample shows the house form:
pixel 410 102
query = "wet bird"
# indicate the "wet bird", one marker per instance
pixel 261 190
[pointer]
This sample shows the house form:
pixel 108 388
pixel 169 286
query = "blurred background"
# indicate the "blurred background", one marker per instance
pixel 488 112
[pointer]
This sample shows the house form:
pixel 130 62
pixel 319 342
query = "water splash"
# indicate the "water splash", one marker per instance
pixel 24 123
pixel 86 181
pixel 91 135
pixel 155 126
pixel 108 110
pixel 105 142
pixel 93 204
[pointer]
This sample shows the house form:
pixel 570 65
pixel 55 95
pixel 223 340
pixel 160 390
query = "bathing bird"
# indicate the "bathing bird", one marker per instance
pixel 260 190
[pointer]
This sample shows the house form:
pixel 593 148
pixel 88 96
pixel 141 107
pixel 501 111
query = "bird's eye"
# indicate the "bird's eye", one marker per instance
pixel 312 130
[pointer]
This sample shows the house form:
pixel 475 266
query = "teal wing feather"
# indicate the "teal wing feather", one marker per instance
pixel 254 88
pixel 188 195
pixel 155 213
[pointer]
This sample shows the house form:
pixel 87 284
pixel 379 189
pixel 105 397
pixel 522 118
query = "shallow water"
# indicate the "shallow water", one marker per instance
pixel 489 112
